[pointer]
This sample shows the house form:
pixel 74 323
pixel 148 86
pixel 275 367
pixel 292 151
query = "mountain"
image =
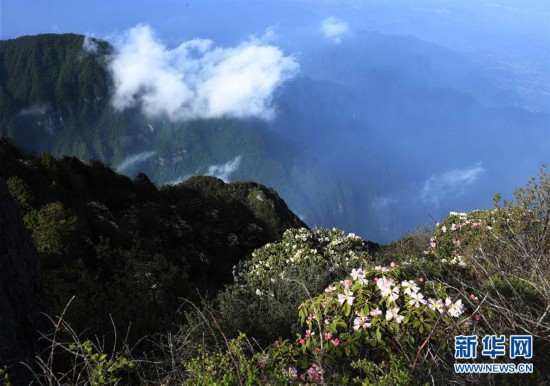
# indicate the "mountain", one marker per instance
pixel 128 247
pixel 377 134
pixel 21 298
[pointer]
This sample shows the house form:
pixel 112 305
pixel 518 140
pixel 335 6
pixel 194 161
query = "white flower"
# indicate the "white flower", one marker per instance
pixel 436 305
pixel 375 312
pixel 361 322
pixel 357 273
pixel 394 295
pixel 384 286
pixel 416 299
pixel 393 313
pixel 346 296
pixel 330 288
pixel 409 287
pixel 456 309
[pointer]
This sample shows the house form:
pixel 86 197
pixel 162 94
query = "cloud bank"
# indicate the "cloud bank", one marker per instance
pixel 223 171
pixel 90 44
pixel 197 79
pixel 334 29
pixel 450 184
pixel 133 160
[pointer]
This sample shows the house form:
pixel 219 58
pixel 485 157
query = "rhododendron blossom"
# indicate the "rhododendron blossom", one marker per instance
pixel 409 287
pixel 346 283
pixel 393 314
pixel 416 299
pixel 436 305
pixel 357 273
pixel 346 296
pixel 361 322
pixel 330 288
pixel 375 312
pixel 394 294
pixel 456 309
pixel 384 286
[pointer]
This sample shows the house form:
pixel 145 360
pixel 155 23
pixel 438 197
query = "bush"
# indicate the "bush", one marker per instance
pixel 376 326
pixel 279 276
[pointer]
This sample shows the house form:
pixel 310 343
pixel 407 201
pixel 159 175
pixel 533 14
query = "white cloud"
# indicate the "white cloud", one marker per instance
pixel 134 160
pixel 381 202
pixel 90 44
pixel 450 184
pixel 179 180
pixel 197 79
pixel 334 29
pixel 223 171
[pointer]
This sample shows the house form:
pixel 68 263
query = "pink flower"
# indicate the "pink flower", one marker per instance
pixel 302 342
pixel 347 283
pixel 375 312
pixel 310 317
pixel 309 333
pixel 392 314
pixel 328 336
pixel 392 264
pixel 327 321
pixel 315 371
pixel 335 342
pixel 421 279
pixel 361 322
pixel 330 288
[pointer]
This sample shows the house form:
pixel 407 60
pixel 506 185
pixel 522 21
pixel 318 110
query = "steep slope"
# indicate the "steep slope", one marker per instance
pixel 130 248
pixel 371 137
pixel 20 295
pixel 55 97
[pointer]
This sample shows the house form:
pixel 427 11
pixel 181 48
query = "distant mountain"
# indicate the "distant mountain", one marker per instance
pixel 377 133
pixel 125 246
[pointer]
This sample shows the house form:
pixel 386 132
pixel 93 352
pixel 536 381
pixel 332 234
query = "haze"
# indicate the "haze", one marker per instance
pixel 394 113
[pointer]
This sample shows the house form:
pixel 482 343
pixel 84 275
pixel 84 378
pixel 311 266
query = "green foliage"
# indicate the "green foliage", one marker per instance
pixel 101 368
pixel 102 237
pixel 5 376
pixel 20 192
pixel 279 276
pixel 233 366
pixel 51 227
pixel 375 327
pixel 378 314
pixel 390 373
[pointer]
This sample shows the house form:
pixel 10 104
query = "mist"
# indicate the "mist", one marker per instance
pixel 372 116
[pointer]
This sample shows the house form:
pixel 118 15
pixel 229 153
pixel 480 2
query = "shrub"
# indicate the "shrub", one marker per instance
pixel 279 276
